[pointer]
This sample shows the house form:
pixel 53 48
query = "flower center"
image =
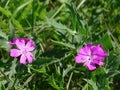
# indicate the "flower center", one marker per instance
pixel 89 57
pixel 24 51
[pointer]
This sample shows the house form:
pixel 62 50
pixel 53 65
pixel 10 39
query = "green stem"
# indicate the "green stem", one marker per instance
pixel 80 4
pixel 114 39
pixel 68 84
pixel 33 15
pixel 60 8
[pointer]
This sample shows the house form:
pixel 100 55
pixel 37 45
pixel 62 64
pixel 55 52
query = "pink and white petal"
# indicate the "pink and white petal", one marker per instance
pixel 98 57
pixel 26 39
pixel 87 63
pixel 20 43
pixel 11 43
pixel 86 50
pixel 30 45
pixel 23 59
pixel 99 63
pixel 90 65
pixel 97 50
pixel 81 58
pixel 30 57
pixel 15 52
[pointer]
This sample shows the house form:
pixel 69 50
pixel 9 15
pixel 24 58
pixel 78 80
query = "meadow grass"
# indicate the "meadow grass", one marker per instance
pixel 59 29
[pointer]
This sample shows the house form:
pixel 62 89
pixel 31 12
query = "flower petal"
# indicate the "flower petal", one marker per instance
pixel 30 45
pixel 15 52
pixel 98 57
pixel 81 58
pixel 23 59
pixel 30 57
pixel 90 65
pixel 98 62
pixel 97 50
pixel 20 43
pixel 86 50
pixel 11 43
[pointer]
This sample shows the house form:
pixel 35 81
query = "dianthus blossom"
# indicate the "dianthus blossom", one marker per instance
pixel 23 49
pixel 91 56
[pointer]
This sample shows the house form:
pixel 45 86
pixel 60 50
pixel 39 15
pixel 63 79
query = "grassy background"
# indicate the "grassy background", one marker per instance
pixel 60 28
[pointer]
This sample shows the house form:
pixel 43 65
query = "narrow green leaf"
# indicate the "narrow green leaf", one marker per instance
pixel 85 87
pixel 3 35
pixel 53 83
pixel 65 72
pixel 92 83
pixel 13 69
pixel 63 44
pixel 29 79
pixel 21 7
pixel 5 12
pixel 60 26
pixel 17 24
pixel 12 31
pixel 4 44
pixel 113 65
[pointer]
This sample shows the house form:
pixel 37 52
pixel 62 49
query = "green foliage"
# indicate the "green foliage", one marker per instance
pixel 59 29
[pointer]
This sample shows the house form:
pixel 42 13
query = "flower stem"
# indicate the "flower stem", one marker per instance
pixel 58 11
pixel 68 84
pixel 80 4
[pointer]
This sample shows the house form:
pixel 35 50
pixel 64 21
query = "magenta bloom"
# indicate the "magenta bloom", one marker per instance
pixel 91 56
pixel 24 48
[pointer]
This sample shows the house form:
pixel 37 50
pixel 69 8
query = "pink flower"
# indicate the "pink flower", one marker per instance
pixel 24 48
pixel 91 56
